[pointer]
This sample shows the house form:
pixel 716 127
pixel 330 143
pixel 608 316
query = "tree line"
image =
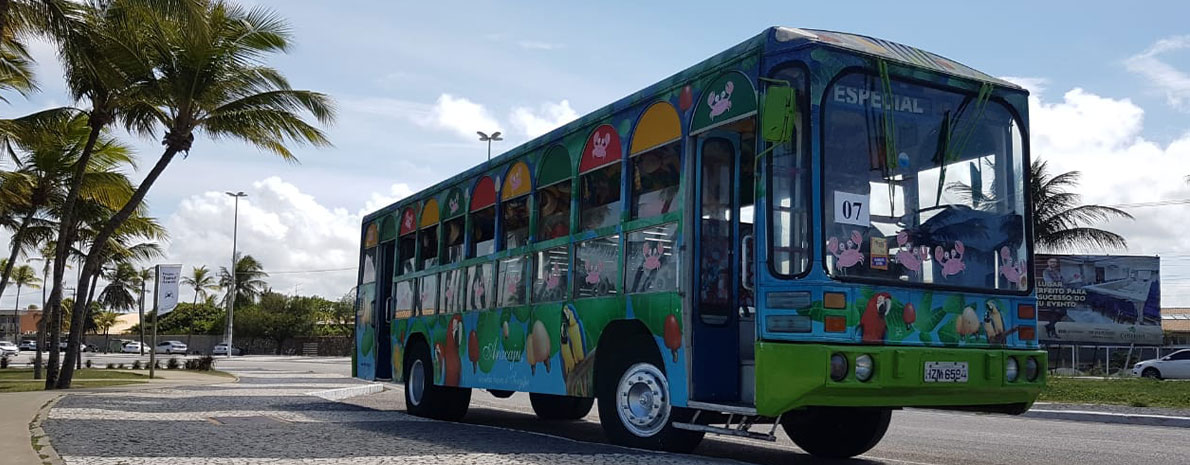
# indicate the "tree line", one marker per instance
pixel 167 70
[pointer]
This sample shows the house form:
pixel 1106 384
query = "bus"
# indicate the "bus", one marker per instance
pixel 808 230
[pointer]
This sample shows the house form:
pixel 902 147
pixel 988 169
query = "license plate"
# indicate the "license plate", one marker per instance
pixel 946 372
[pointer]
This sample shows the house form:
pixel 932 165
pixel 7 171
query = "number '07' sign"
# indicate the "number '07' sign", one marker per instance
pixel 851 209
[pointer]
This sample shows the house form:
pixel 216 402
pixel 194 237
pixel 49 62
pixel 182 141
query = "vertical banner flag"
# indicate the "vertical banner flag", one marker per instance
pixel 167 287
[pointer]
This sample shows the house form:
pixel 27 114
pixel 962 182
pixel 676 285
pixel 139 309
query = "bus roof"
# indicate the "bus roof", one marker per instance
pixel 786 37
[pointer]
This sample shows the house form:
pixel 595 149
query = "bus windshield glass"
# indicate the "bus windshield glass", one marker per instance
pixel 922 185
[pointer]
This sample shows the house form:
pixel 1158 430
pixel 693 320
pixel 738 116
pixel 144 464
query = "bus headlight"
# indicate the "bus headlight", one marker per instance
pixel 838 366
pixel 1032 369
pixel 863 367
pixel 1011 369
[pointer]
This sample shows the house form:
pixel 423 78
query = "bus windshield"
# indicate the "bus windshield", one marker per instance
pixel 922 185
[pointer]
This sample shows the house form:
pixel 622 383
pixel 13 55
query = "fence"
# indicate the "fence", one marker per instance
pixel 329 346
pixel 1101 360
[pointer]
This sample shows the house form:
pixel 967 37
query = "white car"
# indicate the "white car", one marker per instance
pixel 131 348
pixel 29 344
pixel 221 349
pixel 171 347
pixel 8 348
pixel 1172 366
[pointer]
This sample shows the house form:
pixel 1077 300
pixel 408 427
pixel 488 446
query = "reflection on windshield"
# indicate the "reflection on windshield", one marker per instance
pixel 922 185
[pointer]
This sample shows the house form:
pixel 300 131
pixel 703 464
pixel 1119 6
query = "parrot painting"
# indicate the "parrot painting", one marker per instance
pixel 451 363
pixel 573 349
pixel 872 325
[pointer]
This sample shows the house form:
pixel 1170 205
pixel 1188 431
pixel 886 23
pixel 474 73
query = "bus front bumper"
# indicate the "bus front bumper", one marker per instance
pixel 791 376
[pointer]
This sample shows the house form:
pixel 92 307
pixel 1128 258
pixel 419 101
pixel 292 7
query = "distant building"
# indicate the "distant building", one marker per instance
pixel 28 319
pixel 1175 322
pixel 125 322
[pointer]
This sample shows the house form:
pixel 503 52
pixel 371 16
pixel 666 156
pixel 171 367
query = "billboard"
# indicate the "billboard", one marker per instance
pixel 1098 299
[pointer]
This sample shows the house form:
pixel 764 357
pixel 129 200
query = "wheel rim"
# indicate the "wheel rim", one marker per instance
pixel 642 400
pixel 416 383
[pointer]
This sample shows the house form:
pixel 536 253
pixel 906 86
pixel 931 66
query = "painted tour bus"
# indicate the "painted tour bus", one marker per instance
pixel 810 229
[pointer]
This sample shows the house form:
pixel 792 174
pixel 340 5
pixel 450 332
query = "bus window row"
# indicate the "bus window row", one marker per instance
pixel 650 265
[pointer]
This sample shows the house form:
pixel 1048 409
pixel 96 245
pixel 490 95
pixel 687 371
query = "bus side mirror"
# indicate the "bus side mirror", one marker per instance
pixel 780 109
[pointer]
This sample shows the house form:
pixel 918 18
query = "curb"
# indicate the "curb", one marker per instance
pixel 348 392
pixel 1104 417
pixel 41 441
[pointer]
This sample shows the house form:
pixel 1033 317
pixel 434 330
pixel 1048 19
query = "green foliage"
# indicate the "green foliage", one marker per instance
pixel 136 365
pixel 172 364
pixel 280 318
pixel 188 318
pixel 1135 392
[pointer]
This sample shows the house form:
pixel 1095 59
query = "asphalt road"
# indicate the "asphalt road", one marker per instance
pixel 270 416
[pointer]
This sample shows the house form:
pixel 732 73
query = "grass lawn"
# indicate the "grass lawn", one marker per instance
pixel 85 373
pixel 1133 392
pixel 21 386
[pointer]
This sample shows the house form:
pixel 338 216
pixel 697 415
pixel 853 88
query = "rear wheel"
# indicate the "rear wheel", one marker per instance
pixel 551 407
pixel 1151 373
pixel 423 398
pixel 634 404
pixel 837 432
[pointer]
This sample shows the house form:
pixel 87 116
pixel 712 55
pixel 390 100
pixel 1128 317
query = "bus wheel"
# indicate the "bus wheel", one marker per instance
pixel 423 398
pixel 551 407
pixel 836 432
pixel 634 407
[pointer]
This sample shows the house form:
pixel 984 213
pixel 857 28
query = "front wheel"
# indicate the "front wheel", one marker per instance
pixel 836 432
pixel 551 407
pixel 635 410
pixel 425 399
pixel 1151 373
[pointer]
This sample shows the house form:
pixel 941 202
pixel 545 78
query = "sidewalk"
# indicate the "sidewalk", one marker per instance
pixel 22 407
pixel 1103 413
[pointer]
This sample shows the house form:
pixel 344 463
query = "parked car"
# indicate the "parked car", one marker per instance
pixel 131 348
pixel 7 348
pixel 221 349
pixel 1172 366
pixel 171 347
pixel 28 344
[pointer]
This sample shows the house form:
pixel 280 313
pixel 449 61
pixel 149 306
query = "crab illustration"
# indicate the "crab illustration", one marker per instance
pixel 951 260
pixel 846 255
pixel 720 102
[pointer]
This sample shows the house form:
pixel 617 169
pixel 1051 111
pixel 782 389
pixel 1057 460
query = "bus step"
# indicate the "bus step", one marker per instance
pixel 726 408
pixel 729 431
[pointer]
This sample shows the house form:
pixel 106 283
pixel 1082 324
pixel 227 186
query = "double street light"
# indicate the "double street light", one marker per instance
pixel 486 138
pixel 231 290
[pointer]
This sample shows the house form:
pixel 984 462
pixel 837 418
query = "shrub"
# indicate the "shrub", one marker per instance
pixel 191 364
pixel 3 362
pixel 206 363
pixel 120 366
pixel 111 366
pixel 88 363
pixel 172 364
pixel 136 365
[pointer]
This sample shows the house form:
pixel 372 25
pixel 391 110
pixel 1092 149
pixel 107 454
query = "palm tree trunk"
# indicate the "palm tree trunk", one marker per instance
pixel 91 266
pixel 17 240
pixel 16 317
pixel 40 342
pixel 65 237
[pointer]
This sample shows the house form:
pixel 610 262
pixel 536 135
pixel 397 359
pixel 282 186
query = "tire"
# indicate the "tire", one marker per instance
pixel 551 407
pixel 1151 373
pixel 425 399
pixel 630 374
pixel 836 432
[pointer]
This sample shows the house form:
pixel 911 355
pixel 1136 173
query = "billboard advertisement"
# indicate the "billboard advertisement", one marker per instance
pixel 1098 299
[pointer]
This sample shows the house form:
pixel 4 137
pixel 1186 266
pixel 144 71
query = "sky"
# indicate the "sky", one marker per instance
pixel 413 81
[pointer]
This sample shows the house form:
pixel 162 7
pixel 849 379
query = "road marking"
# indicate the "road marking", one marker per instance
pixel 348 392
pixel 309 416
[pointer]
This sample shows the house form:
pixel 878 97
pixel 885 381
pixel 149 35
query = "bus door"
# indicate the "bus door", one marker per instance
pixel 723 221
pixel 384 310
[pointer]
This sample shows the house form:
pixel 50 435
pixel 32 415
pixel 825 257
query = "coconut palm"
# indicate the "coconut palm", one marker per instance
pixel 22 276
pixel 205 73
pixel 249 282
pixel 119 293
pixel 202 281
pixel 104 322
pixel 1061 222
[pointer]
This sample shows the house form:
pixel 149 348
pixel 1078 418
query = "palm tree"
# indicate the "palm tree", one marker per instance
pixel 202 281
pixel 104 321
pixel 249 282
pixel 204 73
pixel 119 294
pixel 1061 222
pixel 22 276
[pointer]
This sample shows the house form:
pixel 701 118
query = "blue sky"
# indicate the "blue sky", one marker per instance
pixel 414 80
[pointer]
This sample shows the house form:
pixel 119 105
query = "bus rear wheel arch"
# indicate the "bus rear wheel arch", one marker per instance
pixel 553 407
pixel 633 393
pixel 422 397
pixel 836 432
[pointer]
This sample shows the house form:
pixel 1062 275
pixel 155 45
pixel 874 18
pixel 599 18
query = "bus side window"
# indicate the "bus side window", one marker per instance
pixel 515 222
pixel 429 294
pixel 428 237
pixel 550 268
pixel 480 293
pixel 483 232
pixel 655 177
pixel 512 282
pixel 453 240
pixel 597 271
pixel 599 197
pixel 403 298
pixel 553 217
pixel 406 247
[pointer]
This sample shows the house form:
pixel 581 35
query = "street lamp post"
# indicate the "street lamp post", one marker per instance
pixel 486 138
pixel 231 290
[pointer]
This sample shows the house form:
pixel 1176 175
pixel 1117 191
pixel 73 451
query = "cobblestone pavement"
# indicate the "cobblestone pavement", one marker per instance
pixel 273 417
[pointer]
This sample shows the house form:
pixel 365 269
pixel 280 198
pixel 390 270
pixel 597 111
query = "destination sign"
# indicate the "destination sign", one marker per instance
pixel 877 99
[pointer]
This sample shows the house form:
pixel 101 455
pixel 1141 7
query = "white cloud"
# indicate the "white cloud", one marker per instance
pixel 1034 85
pixel 538 45
pixel 287 230
pixel 1174 83
pixel 547 117
pixel 1101 138
pixel 461 116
